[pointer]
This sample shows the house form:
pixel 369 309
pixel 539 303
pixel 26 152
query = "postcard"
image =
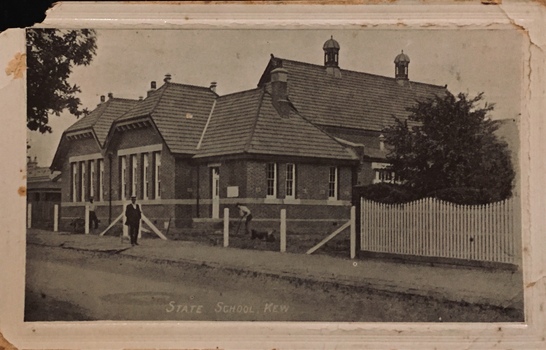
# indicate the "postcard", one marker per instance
pixel 235 176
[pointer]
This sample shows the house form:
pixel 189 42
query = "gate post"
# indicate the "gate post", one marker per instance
pixel 86 219
pixel 56 218
pixel 353 232
pixel 283 231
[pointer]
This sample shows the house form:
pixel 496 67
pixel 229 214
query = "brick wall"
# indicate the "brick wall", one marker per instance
pixel 366 174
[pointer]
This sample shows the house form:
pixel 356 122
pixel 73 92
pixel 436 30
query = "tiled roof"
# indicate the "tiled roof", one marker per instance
pixel 356 100
pixel 232 123
pixel 101 118
pixel 247 122
pixel 180 113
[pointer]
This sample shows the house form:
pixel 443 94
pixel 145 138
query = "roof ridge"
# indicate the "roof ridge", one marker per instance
pixel 161 91
pixel 122 99
pixel 100 109
pixel 253 130
pixel 189 85
pixel 240 92
pixel 358 72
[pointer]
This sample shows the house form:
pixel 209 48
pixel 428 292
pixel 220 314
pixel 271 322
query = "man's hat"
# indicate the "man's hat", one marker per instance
pixel 133 197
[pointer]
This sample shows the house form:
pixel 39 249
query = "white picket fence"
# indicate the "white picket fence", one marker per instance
pixel 434 228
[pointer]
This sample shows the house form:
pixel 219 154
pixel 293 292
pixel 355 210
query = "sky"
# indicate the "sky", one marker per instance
pixel 470 61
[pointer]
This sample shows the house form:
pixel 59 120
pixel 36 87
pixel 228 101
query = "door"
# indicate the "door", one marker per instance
pixel 215 192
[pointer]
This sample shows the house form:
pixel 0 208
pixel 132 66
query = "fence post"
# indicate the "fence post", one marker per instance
pixel 29 215
pixel 86 219
pixel 56 218
pixel 353 232
pixel 283 231
pixel 226 227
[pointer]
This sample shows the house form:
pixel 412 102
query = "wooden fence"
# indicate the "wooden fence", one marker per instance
pixel 430 227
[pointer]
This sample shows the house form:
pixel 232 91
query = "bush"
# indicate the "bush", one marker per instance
pixel 465 195
pixel 386 193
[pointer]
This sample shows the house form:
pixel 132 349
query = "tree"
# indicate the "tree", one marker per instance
pixel 51 56
pixel 448 142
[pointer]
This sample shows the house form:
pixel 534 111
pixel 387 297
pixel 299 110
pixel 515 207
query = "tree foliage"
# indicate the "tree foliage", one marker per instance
pixel 51 56
pixel 448 142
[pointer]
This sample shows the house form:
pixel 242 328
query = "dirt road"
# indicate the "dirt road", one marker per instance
pixel 67 284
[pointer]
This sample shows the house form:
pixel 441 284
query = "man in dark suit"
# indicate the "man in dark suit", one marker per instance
pixel 133 216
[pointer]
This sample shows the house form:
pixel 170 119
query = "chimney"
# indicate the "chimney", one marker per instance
pixel 279 91
pixel 213 86
pixel 152 88
pixel 102 98
pixel 382 142
pixel 110 95
pixel 167 78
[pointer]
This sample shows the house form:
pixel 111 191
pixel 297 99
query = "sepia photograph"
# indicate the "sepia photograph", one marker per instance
pixel 332 175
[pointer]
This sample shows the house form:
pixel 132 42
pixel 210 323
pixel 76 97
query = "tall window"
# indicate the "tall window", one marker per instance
pixel 157 175
pixel 290 180
pixel 271 180
pixel 145 184
pixel 91 178
pixel 82 181
pixel 123 177
pixel 332 183
pixel 134 169
pixel 100 180
pixel 74 179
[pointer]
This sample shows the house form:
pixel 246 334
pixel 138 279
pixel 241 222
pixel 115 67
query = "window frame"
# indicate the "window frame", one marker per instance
pixel 145 178
pixel 333 185
pixel 74 180
pixel 157 175
pixel 123 177
pixel 83 180
pixel 290 180
pixel 134 174
pixel 92 178
pixel 271 183
pixel 100 179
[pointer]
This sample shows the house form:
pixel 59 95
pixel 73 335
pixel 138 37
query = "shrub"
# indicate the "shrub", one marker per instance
pixel 465 195
pixel 387 193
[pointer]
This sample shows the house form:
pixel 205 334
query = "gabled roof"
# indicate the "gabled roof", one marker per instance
pixel 356 100
pixel 101 118
pixel 179 112
pixel 98 122
pixel 248 123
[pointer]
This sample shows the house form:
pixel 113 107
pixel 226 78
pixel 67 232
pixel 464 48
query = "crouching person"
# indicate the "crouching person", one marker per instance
pixel 246 215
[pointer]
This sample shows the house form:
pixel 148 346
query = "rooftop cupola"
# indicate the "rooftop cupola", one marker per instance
pixel 331 57
pixel 401 63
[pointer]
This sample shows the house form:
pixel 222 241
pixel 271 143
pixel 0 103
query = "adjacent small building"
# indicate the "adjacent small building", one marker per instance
pixel 43 193
pixel 301 140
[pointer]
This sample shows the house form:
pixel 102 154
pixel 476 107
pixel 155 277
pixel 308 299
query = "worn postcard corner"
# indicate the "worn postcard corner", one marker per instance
pixel 215 183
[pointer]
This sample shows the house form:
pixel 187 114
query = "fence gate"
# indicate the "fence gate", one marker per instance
pixel 434 228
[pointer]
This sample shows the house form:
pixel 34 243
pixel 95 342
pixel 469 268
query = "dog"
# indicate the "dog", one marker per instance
pixel 268 236
pixel 78 225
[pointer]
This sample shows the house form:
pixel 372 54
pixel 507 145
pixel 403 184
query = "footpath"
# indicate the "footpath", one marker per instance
pixel 493 287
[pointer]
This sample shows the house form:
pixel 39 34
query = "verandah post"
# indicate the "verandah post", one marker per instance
pixel 226 227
